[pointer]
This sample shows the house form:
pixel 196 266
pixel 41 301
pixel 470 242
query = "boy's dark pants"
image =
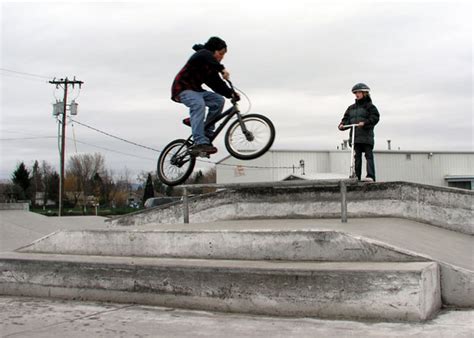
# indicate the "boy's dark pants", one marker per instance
pixel 360 148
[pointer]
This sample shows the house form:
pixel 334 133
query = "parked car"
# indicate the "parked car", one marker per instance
pixel 156 201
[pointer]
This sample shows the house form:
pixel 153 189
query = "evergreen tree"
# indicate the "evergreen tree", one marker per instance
pixel 149 190
pixel 21 178
pixel 36 181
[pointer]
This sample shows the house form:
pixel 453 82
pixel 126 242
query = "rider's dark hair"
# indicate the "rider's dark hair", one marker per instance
pixel 214 43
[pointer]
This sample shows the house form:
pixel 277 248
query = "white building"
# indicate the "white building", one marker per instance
pixel 454 169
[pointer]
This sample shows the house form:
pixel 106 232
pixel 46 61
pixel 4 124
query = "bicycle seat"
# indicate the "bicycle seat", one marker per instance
pixel 187 121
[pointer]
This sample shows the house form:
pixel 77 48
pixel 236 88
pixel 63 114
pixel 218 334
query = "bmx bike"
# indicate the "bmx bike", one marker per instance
pixel 249 136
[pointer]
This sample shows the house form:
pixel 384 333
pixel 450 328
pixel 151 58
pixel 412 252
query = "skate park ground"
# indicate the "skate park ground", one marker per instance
pixel 39 317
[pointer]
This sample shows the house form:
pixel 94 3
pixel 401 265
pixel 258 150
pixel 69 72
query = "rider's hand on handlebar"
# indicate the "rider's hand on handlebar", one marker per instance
pixel 340 126
pixel 235 97
pixel 225 74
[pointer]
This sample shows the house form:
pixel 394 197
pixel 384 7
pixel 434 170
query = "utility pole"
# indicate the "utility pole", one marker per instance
pixel 66 83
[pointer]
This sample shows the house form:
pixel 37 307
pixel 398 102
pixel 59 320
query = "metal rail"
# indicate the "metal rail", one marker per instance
pixel 341 183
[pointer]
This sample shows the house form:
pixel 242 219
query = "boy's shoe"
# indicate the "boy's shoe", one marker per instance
pixel 368 180
pixel 203 148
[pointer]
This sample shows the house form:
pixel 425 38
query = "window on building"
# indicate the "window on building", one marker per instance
pixel 461 185
pixel 460 181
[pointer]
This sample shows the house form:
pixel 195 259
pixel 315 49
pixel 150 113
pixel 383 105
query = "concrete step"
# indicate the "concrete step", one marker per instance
pixel 297 245
pixel 357 290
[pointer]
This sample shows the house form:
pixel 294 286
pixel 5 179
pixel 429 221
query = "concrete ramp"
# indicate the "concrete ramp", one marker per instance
pixel 21 227
pixel 447 208
pixel 297 245
pixel 323 273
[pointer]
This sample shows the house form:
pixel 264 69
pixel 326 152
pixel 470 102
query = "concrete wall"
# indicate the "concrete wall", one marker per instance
pixel 444 207
pixel 14 206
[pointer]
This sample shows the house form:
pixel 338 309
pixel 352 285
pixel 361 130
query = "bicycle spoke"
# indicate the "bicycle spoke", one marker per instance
pixel 175 163
pixel 259 131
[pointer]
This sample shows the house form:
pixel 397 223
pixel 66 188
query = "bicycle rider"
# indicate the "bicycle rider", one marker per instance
pixel 203 67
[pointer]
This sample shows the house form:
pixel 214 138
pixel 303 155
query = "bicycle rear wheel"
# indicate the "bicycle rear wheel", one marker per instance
pixel 175 164
pixel 258 139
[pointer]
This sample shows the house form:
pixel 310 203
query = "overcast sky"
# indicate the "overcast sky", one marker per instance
pixel 296 60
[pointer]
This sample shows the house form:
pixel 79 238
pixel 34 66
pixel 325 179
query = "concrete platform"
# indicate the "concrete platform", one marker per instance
pixel 453 251
pixel 358 290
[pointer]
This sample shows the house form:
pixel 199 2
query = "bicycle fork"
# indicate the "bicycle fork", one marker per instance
pixel 248 134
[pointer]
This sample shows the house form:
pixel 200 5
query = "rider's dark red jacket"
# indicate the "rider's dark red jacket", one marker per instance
pixel 201 68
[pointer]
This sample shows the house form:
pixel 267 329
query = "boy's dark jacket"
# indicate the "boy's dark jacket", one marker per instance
pixel 201 68
pixel 362 110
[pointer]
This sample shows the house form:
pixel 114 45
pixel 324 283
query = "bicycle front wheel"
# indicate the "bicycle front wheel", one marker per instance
pixel 175 164
pixel 252 143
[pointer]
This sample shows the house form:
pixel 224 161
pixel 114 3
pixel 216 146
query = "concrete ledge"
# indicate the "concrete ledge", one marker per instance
pixel 444 207
pixel 297 245
pixel 381 291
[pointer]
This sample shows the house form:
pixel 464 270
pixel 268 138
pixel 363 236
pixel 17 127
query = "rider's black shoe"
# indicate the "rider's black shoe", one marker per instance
pixel 199 149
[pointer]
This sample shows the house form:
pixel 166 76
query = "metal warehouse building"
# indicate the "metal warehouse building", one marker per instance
pixel 453 169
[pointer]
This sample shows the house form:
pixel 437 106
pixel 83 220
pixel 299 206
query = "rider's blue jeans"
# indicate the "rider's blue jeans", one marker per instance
pixel 197 103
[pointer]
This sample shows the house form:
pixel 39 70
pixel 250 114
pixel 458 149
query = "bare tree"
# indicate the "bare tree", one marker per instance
pixel 83 168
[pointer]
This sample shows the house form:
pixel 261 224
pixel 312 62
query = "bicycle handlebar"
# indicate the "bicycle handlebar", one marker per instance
pixel 233 90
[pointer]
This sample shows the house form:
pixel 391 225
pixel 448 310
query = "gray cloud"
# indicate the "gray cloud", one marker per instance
pixel 296 60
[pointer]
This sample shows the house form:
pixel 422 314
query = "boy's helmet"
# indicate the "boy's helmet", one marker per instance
pixel 360 87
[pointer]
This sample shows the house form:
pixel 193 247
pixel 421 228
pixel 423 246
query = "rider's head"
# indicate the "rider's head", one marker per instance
pixel 217 46
pixel 360 90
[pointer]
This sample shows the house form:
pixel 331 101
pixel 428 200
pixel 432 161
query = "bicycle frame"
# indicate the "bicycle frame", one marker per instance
pixel 228 114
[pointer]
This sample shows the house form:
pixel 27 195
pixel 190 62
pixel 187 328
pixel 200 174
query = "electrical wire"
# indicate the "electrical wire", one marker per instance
pixel 23 73
pixel 22 77
pixel 74 135
pixel 113 151
pixel 116 137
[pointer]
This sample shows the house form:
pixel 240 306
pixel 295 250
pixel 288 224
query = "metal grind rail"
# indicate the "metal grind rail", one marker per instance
pixel 341 183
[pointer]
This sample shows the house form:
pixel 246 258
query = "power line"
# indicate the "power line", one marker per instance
pixel 23 73
pixel 113 151
pixel 116 137
pixel 26 138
